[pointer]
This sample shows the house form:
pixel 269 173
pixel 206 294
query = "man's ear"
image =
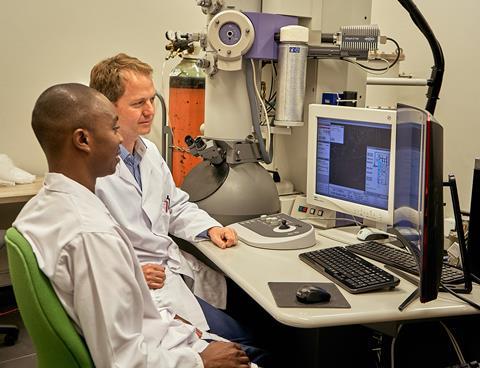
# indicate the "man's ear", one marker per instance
pixel 80 139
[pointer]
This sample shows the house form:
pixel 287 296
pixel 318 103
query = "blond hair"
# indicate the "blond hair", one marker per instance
pixel 108 76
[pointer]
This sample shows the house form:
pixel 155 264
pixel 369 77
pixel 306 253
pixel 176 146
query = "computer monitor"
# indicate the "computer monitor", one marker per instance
pixel 418 214
pixel 350 159
pixel 474 222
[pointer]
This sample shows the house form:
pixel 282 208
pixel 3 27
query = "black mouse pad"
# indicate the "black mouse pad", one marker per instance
pixel 284 294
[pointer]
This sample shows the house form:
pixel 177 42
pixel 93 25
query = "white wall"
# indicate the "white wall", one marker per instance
pixel 56 41
pixel 52 41
pixel 455 25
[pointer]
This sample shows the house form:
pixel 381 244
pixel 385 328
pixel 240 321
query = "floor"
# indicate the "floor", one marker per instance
pixel 22 354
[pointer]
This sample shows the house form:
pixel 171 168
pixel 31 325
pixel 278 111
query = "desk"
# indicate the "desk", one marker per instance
pixel 252 268
pixel 21 192
pixel 12 199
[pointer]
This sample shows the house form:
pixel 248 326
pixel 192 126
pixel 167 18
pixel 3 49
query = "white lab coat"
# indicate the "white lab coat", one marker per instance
pixel 94 271
pixel 148 215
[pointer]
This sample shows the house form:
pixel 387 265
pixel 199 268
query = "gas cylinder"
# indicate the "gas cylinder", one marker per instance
pixel 186 113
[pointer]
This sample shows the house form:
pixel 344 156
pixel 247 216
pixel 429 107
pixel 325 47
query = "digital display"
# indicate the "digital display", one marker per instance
pixel 353 161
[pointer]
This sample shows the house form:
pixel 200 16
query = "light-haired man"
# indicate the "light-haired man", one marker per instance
pixel 143 198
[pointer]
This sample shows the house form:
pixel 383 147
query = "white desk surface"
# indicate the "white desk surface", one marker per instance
pixel 252 268
pixel 21 192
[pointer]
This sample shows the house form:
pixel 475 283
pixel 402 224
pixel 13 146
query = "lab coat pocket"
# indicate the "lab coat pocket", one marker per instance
pixel 160 224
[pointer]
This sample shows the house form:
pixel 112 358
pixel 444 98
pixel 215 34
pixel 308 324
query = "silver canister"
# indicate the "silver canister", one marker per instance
pixel 292 68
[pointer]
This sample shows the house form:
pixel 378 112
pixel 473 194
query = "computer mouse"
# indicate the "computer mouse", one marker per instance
pixel 312 294
pixel 367 234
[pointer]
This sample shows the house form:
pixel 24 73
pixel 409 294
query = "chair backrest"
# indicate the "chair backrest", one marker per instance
pixel 57 342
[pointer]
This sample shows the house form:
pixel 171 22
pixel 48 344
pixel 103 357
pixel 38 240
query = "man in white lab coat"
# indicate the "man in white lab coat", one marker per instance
pixel 143 198
pixel 87 256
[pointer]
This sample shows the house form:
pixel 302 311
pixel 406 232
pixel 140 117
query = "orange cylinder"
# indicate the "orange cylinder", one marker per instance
pixel 186 113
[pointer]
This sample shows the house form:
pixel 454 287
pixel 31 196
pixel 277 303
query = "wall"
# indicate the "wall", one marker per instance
pixel 52 41
pixel 455 26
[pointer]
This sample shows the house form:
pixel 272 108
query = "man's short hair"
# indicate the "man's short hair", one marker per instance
pixel 60 110
pixel 108 76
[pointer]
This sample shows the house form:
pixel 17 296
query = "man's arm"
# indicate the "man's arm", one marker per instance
pixel 186 220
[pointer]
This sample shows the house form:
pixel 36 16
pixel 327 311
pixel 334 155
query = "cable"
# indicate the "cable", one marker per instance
pixel 475 278
pixel 333 218
pixel 361 66
pixel 272 79
pixel 8 311
pixel 392 346
pixel 437 53
pixel 455 344
pixel 384 70
pixel 399 51
pixel 473 304
pixel 254 113
pixel 267 122
pixel 163 133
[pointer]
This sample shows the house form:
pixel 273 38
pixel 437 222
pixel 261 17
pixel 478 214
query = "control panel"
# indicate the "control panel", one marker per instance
pixel 317 216
pixel 278 231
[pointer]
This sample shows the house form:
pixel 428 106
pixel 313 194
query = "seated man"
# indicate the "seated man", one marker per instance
pixel 87 257
pixel 143 199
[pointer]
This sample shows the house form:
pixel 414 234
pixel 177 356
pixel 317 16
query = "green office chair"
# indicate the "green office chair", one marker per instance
pixel 57 342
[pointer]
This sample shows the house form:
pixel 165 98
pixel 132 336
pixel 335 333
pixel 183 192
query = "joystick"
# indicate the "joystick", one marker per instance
pixel 284 225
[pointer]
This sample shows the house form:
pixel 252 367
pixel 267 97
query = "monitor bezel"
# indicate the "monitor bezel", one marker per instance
pixel 360 114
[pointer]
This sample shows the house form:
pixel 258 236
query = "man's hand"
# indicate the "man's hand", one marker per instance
pixel 224 355
pixel 223 237
pixel 154 275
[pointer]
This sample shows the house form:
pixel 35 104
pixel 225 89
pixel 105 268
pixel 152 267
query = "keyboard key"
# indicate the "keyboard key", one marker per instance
pixel 402 260
pixel 348 270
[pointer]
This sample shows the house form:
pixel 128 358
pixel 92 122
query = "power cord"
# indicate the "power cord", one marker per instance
pixel 455 344
pixel 353 219
pixel 392 346
pixel 370 70
pixel 468 301
pixel 475 278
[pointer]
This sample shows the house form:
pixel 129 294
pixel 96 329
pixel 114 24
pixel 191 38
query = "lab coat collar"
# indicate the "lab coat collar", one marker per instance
pixel 55 182
pixel 140 147
pixel 145 168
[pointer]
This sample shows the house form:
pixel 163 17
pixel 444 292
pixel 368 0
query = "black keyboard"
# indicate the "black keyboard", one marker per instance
pixel 348 270
pixel 402 260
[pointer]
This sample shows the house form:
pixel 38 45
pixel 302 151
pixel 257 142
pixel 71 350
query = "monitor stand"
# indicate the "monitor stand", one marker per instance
pixel 466 288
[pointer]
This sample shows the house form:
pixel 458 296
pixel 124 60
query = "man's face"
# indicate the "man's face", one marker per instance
pixel 136 107
pixel 106 139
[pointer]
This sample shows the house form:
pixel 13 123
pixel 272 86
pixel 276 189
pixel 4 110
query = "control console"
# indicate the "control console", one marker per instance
pixel 278 231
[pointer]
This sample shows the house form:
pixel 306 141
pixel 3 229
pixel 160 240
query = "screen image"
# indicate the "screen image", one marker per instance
pixel 409 171
pixel 353 161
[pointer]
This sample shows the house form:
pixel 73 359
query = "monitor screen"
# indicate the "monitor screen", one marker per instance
pixel 351 152
pixel 418 214
pixel 410 176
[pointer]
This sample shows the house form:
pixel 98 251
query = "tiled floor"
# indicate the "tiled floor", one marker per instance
pixel 20 355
